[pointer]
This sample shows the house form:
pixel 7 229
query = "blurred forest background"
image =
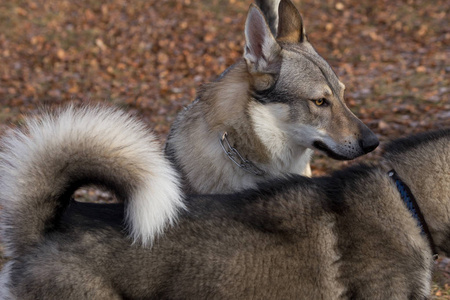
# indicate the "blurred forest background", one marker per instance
pixel 149 57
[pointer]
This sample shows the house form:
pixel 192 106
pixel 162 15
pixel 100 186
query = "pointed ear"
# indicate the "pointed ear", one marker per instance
pixel 290 24
pixel 270 11
pixel 261 48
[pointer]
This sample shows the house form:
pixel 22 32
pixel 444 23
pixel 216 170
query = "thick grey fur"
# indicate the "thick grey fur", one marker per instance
pixel 346 236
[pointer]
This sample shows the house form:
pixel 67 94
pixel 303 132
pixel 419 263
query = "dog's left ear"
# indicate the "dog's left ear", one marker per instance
pixel 290 23
pixel 261 48
pixel 270 11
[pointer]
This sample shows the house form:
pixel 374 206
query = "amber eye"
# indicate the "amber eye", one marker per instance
pixel 320 102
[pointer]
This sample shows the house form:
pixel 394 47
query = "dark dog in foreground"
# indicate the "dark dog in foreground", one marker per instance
pixel 349 235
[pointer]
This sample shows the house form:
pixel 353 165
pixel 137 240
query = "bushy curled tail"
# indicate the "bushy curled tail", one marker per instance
pixel 45 162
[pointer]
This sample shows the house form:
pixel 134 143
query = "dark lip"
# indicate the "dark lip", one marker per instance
pixel 324 148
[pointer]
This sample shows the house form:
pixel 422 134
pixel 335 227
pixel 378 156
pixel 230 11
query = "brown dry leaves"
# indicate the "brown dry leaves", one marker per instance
pixel 152 55
pixel 148 55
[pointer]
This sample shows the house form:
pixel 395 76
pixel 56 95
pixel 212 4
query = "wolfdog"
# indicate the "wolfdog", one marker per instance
pixel 263 116
pixel 351 235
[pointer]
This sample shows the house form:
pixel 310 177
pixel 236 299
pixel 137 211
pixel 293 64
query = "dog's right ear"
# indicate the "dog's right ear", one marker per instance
pixel 261 48
pixel 290 23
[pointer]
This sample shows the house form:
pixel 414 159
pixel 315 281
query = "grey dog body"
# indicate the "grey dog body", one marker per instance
pixel 347 236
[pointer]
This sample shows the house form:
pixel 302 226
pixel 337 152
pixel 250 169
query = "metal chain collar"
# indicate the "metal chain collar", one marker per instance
pixel 237 158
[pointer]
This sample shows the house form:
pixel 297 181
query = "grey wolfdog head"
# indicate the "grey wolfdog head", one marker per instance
pixel 296 88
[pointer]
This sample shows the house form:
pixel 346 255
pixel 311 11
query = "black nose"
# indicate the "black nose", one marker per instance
pixel 369 142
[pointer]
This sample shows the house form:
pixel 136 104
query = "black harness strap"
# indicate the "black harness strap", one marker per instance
pixel 410 201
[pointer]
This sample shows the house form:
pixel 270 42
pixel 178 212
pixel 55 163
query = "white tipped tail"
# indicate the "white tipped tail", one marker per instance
pixel 93 144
